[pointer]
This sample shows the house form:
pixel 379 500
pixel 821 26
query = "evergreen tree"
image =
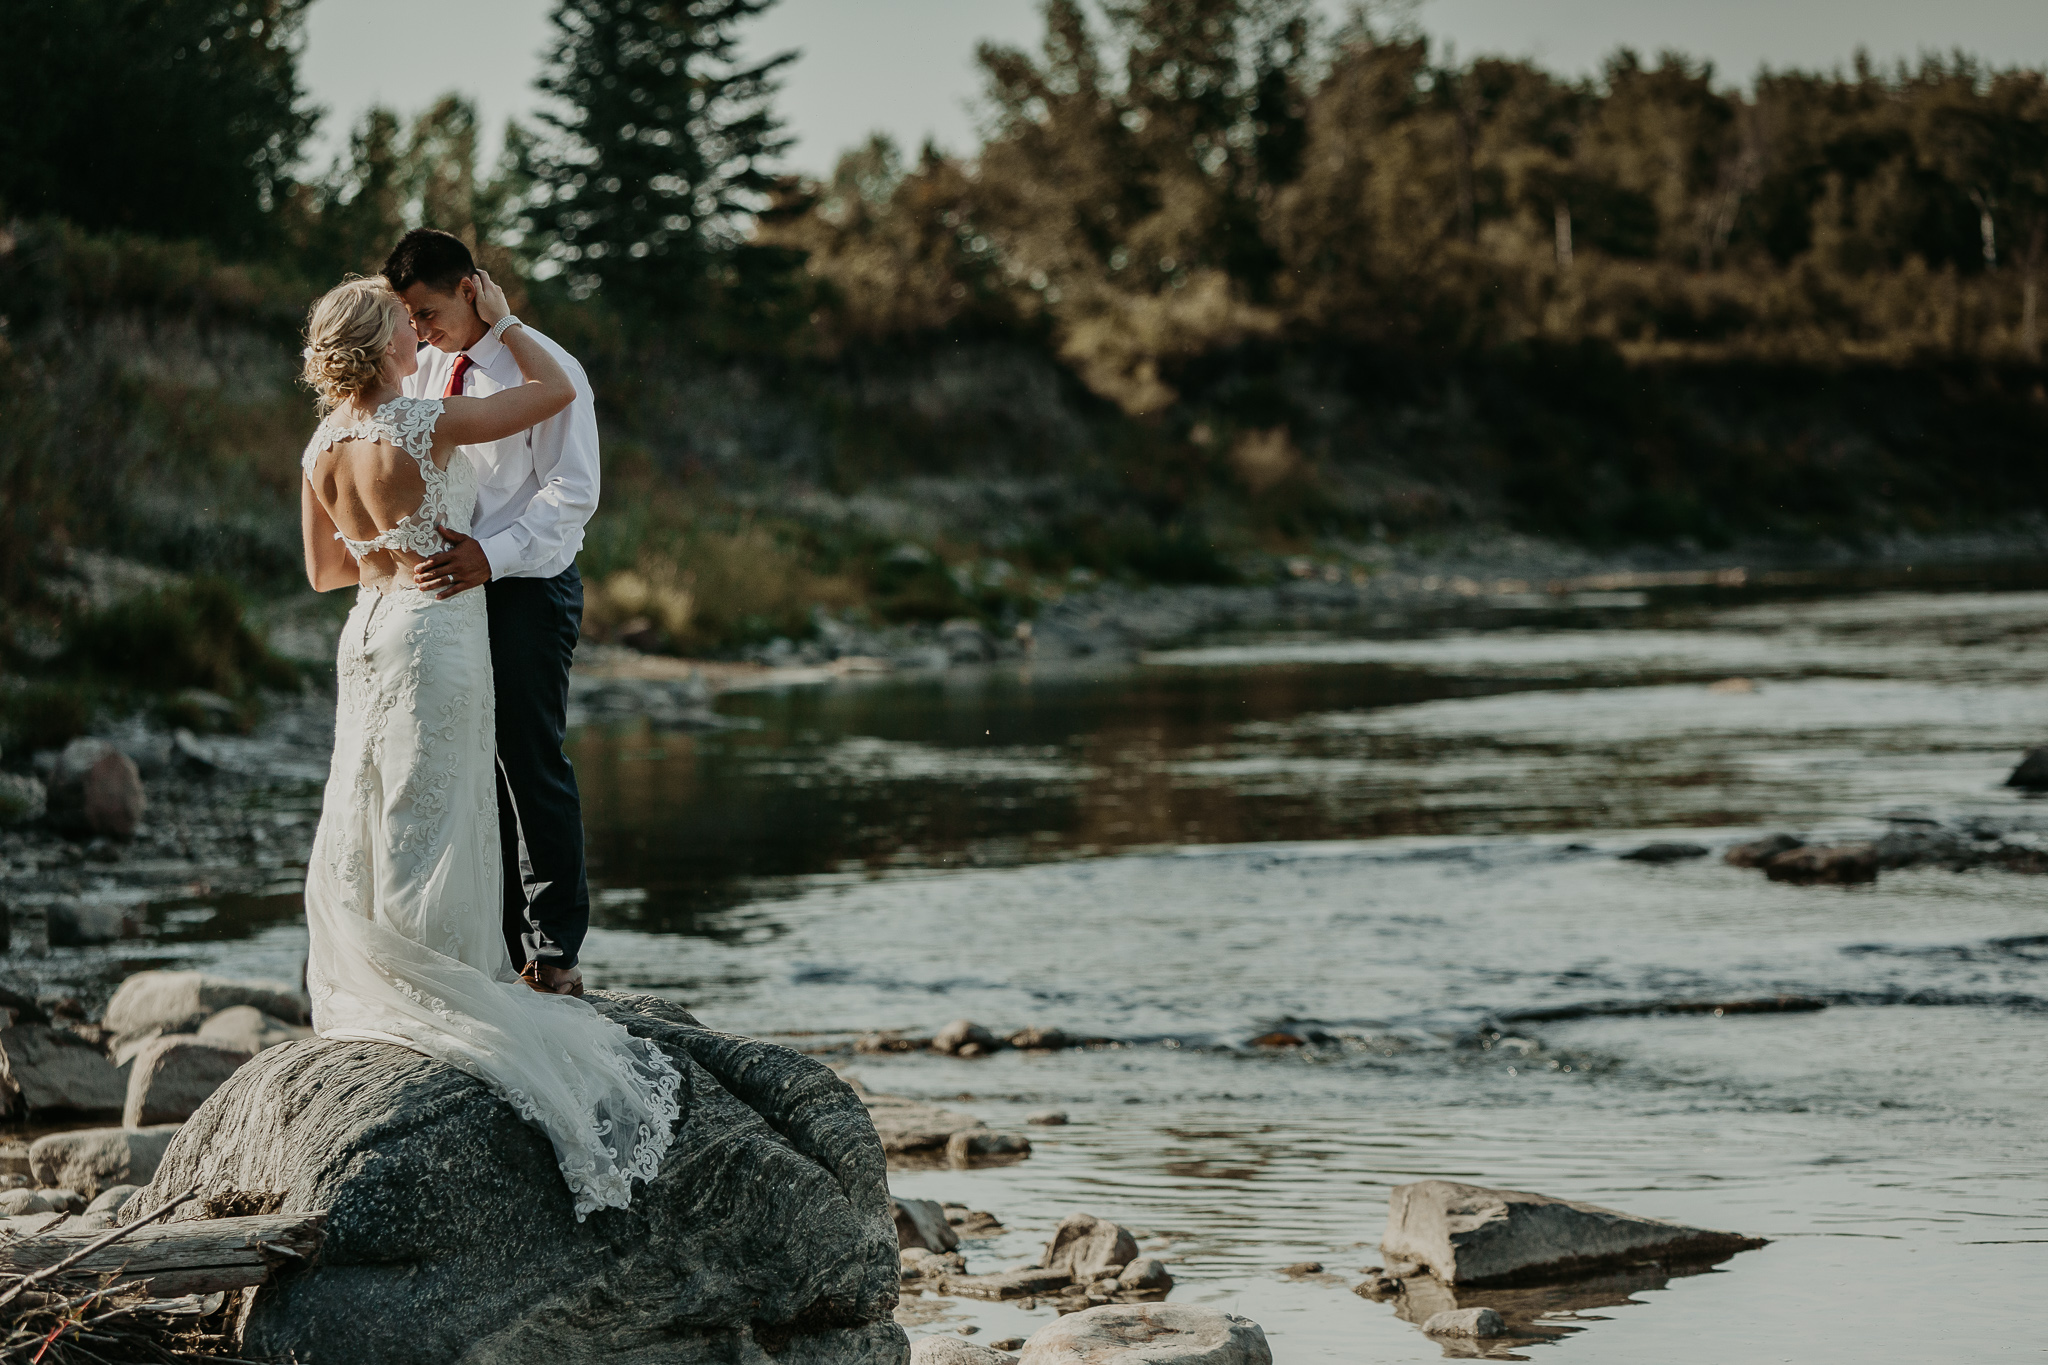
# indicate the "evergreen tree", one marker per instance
pixel 178 118
pixel 658 154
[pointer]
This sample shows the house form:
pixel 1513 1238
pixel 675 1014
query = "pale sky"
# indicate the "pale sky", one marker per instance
pixel 907 66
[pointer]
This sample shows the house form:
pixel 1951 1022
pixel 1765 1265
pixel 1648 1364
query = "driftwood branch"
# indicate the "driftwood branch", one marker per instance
pixel 9 1254
pixel 199 1257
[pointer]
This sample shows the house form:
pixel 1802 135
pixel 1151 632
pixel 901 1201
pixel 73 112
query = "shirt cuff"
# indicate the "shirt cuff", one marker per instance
pixel 501 553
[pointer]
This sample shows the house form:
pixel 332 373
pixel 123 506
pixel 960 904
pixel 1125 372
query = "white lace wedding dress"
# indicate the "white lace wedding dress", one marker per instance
pixel 403 891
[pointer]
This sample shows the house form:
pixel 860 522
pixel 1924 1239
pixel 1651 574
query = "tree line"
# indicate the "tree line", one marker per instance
pixel 1162 180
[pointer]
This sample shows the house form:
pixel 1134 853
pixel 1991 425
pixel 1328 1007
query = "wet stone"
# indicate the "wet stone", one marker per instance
pixel 1466 1322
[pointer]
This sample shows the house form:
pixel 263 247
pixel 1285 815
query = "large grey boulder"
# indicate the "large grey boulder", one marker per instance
pixel 1468 1234
pixel 766 1235
pixel 1149 1334
pixel 93 1160
pixel 171 1076
pixel 43 1069
pixel 150 1004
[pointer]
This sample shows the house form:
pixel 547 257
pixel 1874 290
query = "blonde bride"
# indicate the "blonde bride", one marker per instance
pixel 403 889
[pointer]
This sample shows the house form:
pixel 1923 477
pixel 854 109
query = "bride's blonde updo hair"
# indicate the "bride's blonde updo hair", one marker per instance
pixel 346 337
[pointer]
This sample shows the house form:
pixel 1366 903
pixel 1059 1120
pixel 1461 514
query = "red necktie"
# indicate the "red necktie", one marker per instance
pixel 462 364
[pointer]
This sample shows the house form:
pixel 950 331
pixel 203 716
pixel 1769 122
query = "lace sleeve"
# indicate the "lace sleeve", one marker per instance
pixel 412 422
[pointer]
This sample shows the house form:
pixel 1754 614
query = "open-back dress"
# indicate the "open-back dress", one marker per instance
pixel 404 890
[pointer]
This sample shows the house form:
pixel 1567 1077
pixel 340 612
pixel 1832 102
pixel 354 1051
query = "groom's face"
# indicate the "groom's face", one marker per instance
pixel 445 321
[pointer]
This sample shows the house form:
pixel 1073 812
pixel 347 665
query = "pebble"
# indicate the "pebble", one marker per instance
pixel 1046 1118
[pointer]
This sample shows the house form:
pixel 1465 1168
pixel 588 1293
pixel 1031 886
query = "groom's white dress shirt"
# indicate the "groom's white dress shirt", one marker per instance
pixel 537 490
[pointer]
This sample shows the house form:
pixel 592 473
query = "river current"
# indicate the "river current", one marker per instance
pixel 1386 841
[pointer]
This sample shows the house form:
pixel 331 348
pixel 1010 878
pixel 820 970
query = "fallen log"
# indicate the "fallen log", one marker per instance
pixel 203 1256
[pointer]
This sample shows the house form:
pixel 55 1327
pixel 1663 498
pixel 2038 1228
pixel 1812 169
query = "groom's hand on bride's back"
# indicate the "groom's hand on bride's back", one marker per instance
pixel 458 568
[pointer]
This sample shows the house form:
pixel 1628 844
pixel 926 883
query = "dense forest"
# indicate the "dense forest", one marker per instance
pixel 1222 283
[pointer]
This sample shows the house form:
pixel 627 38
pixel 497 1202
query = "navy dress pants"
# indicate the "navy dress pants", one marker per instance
pixel 535 623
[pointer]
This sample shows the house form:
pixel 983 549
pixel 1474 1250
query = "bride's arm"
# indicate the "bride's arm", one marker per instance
pixel 547 390
pixel 329 565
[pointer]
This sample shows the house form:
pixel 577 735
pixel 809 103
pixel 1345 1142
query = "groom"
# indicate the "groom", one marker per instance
pixel 536 492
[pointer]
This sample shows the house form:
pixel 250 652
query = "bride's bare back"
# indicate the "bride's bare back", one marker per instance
pixel 367 487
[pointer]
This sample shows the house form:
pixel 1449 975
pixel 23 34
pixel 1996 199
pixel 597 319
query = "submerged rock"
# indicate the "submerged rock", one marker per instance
pixel 1665 853
pixel 1025 1283
pixel 1149 1334
pixel 1839 865
pixel 913 1128
pixel 1469 1234
pixel 767 1229
pixel 1757 852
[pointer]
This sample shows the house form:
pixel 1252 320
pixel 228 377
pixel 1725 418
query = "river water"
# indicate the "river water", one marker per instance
pixel 1385 839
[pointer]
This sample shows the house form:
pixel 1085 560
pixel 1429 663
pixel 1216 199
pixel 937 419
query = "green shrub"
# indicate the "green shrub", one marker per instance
pixel 189 635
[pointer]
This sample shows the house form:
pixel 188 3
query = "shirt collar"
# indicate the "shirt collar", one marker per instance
pixel 486 351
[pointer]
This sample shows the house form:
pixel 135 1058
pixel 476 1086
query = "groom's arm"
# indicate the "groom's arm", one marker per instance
pixel 565 463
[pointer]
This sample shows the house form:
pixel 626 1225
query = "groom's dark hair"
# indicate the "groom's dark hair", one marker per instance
pixel 431 257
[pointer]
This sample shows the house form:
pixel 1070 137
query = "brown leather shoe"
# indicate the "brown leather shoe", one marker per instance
pixel 531 975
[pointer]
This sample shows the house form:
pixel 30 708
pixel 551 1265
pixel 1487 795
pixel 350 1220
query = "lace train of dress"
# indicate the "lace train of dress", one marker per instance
pixel 403 888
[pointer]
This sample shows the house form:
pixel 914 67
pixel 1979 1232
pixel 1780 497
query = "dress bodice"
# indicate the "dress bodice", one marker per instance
pixel 450 497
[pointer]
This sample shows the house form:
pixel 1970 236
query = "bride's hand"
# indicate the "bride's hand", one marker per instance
pixel 490 299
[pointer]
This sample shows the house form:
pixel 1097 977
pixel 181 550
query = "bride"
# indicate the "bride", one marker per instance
pixel 403 893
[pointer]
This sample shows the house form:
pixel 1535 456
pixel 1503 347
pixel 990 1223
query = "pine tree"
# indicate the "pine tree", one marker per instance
pixel 177 118
pixel 658 152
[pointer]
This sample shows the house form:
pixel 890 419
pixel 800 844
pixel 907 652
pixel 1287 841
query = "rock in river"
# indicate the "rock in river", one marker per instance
pixel 1468 1234
pixel 922 1223
pixel 1085 1246
pixel 1839 865
pixel 2032 772
pixel 964 1038
pixel 765 1236
pixel 1665 853
pixel 1466 1322
pixel 1149 1334
pixel 1757 852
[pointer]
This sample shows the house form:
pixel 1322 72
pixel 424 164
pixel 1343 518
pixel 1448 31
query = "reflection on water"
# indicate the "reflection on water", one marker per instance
pixel 1386 842
pixel 1895 699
